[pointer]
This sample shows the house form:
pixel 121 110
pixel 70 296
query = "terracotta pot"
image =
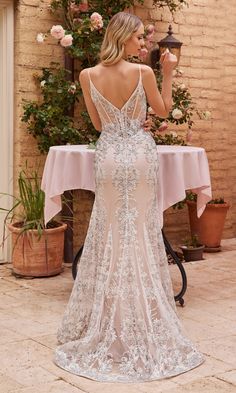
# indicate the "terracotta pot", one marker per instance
pixel 33 257
pixel 192 254
pixel 209 227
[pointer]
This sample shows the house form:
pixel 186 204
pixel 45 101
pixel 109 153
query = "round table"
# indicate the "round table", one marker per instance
pixel 181 168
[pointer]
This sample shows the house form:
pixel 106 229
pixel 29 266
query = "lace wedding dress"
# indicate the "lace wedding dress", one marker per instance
pixel 120 324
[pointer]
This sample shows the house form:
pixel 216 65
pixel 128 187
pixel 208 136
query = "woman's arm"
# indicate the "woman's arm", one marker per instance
pixel 160 103
pixel 92 111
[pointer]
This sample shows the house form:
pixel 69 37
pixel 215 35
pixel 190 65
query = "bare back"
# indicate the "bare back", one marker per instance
pixel 116 84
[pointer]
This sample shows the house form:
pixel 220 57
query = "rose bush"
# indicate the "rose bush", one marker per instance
pixel 81 36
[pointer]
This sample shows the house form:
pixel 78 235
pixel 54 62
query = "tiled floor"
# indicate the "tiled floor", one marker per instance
pixel 30 311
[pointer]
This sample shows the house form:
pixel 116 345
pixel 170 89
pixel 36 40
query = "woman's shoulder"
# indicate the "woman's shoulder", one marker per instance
pixel 146 69
pixel 86 71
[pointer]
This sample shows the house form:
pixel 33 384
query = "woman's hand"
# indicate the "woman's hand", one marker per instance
pixel 147 125
pixel 168 61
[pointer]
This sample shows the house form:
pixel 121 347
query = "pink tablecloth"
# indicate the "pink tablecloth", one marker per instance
pixel 181 168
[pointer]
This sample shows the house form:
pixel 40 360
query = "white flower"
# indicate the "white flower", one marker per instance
pixel 57 32
pixel 178 72
pixel 151 111
pixel 177 114
pixel 174 134
pixel 206 115
pixel 40 38
pixel 72 88
pixel 182 86
pixel 42 83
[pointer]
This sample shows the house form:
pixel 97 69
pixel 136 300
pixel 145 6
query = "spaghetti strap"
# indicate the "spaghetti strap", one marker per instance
pixel 89 75
pixel 140 72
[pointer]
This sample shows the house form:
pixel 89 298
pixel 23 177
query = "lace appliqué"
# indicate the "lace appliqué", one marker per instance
pixel 120 324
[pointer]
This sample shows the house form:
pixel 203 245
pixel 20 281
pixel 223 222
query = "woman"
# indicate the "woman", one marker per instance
pixel 121 323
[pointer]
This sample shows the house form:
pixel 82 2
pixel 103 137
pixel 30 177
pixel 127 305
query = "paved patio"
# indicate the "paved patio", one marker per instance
pixel 30 311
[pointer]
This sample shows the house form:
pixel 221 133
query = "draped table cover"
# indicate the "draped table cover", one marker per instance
pixel 181 168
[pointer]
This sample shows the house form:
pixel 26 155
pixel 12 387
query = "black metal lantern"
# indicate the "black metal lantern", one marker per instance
pixel 171 43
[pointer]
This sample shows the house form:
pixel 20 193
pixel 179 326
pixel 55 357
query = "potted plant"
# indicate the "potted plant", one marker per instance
pixel 192 250
pixel 209 227
pixel 37 248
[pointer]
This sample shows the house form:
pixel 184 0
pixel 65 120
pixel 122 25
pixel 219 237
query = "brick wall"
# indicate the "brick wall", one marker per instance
pixel 31 17
pixel 207 30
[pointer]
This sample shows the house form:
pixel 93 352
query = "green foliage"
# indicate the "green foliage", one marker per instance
pixel 28 207
pixel 217 201
pixel 48 121
pixel 192 197
pixel 192 242
pixel 87 42
pixel 51 120
pixel 173 5
pixel 168 139
pixel 182 100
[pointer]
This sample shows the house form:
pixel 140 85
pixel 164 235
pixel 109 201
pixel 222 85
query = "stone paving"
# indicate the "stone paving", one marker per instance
pixel 31 309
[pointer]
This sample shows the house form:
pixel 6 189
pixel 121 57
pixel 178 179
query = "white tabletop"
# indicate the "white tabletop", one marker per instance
pixel 181 168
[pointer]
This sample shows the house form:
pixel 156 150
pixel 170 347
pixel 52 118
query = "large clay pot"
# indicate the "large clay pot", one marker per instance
pixel 33 257
pixel 209 227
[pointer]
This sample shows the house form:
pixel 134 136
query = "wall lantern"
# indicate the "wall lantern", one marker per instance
pixel 171 43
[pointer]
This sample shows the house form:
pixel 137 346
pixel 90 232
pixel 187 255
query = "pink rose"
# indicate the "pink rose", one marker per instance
pixel 67 40
pixel 95 16
pixel 148 42
pixel 83 7
pixel 57 32
pixel 150 29
pixel 163 126
pixel 143 53
pixel 149 37
pixel 96 21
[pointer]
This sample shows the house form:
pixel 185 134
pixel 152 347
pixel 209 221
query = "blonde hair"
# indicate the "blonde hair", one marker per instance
pixel 120 28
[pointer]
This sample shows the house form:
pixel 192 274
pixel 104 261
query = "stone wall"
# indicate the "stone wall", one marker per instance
pixel 207 30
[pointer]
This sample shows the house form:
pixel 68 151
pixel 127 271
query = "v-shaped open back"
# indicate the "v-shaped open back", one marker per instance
pixel 133 109
pixel 127 101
